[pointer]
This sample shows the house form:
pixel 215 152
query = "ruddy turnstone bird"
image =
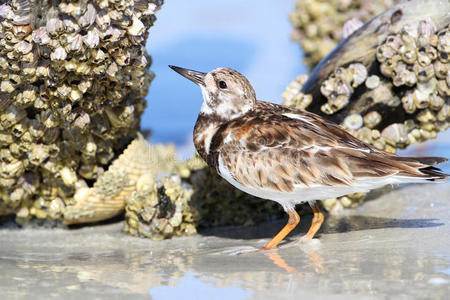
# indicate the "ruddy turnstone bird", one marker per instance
pixel 288 155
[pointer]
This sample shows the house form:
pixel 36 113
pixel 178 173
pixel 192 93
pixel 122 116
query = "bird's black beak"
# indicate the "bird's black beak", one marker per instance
pixel 194 76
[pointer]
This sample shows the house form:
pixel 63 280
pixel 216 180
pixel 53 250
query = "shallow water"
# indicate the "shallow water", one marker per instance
pixel 395 246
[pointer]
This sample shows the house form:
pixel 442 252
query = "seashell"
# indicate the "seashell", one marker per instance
pixel 426 116
pixel 11 116
pixel 73 9
pixel 444 40
pixel 440 69
pixel 23 47
pixel 68 176
pixel 436 102
pixel 372 82
pixel 353 121
pixel 58 54
pixel 372 119
pixel 7 86
pixel 89 16
pixel 12 169
pixel 443 88
pixel 423 73
pixel 395 135
pixel 91 39
pixel 408 103
pixel 421 99
pixel 136 28
pixel 102 19
pixel 39 153
pixel 41 37
pixel 351 26
pixel 107 198
pixel 444 113
pixel 359 74
pixel 54 26
pixel 74 42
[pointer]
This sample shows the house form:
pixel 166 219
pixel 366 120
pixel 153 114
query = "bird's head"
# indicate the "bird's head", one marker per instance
pixel 227 94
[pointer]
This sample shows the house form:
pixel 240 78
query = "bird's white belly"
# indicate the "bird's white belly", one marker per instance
pixel 303 193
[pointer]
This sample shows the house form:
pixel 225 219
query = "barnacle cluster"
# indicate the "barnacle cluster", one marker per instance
pixel 72 84
pixel 319 25
pixel 340 86
pixel 402 98
pixel 191 198
pixel 293 96
pixel 162 210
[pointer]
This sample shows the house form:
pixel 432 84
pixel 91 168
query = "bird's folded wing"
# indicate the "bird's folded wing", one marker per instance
pixel 280 152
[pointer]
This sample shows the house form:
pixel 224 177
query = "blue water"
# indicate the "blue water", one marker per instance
pixel 191 288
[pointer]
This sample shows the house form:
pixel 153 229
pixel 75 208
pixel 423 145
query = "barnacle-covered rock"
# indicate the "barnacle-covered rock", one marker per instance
pixel 320 25
pixel 161 210
pixel 192 198
pixel 405 59
pixel 73 76
pixel 404 96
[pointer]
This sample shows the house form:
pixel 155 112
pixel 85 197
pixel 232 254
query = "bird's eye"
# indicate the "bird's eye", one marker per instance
pixel 222 84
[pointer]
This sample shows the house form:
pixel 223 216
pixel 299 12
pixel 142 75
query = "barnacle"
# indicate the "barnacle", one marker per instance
pixel 72 84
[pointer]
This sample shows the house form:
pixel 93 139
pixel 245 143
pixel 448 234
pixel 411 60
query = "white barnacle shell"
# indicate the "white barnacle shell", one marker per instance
pixel 68 176
pixel 395 135
pixel 5 11
pixel 89 16
pixel 444 40
pixel 91 39
pixel 99 56
pixel 436 102
pixel 23 47
pixel 372 119
pixel 122 57
pixel 75 95
pixel 54 26
pixel 71 26
pixel 112 69
pixel 372 82
pixel 84 85
pixel 40 36
pixel 113 34
pixel 103 20
pixel 351 26
pixel 426 30
pixel 11 116
pixel 353 121
pixel 73 9
pixel 7 86
pixel 58 54
pixel 75 42
pixel 136 28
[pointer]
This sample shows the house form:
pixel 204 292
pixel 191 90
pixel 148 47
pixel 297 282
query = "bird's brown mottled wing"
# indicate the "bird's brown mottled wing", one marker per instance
pixel 279 151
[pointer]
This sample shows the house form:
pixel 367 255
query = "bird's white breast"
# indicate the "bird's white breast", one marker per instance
pixel 303 193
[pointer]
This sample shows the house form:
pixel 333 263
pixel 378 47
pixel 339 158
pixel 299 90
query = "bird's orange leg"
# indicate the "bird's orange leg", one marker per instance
pixel 294 219
pixel 315 225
